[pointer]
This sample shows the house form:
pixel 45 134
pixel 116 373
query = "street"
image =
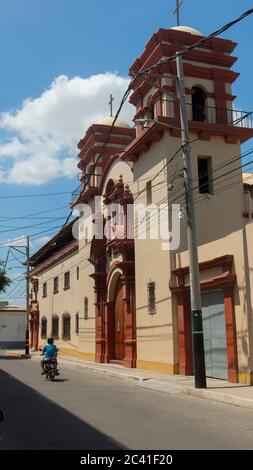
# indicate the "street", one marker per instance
pixel 81 410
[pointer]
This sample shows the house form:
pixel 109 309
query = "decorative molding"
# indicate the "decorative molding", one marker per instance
pixel 181 289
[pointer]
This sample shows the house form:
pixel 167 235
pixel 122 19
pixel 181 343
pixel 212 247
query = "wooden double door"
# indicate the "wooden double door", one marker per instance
pixel 119 324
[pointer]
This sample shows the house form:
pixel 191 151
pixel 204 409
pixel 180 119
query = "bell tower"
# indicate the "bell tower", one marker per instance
pixel 208 80
pixel 97 150
pixel 217 130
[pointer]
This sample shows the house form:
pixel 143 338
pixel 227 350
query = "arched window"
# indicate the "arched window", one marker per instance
pixel 86 308
pixel 66 326
pixel 77 323
pixel 198 104
pixel 150 109
pixel 55 326
pixel 43 328
pixel 151 113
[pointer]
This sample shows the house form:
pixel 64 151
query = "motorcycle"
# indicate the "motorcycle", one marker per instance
pixel 51 369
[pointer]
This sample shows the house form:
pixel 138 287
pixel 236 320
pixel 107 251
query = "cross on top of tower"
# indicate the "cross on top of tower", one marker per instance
pixel 110 104
pixel 177 11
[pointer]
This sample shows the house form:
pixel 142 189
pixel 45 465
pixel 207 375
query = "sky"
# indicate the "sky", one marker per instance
pixel 60 60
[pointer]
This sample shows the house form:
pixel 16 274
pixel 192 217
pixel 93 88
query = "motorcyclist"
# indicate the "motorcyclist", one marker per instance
pixel 49 352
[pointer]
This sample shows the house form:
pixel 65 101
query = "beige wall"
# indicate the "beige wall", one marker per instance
pixel 156 338
pixel 71 301
pixel 220 230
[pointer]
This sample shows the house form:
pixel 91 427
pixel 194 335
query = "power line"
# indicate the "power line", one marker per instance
pixel 179 196
pixel 12 228
pixel 15 240
pixel 123 100
pixel 14 288
pixel 18 196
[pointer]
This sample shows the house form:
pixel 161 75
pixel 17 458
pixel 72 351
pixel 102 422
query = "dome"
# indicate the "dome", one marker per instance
pixel 188 29
pixel 109 120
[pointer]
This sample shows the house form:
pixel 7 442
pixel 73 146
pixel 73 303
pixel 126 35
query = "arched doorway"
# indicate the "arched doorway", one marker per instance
pixel 114 284
pixel 198 104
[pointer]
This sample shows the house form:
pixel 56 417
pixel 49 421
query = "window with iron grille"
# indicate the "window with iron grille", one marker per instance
pixel 56 285
pixel 151 298
pixel 43 328
pixel 44 289
pixel 77 323
pixel 66 326
pixel 67 280
pixel 86 308
pixel 198 104
pixel 149 192
pixel 205 175
pixel 55 326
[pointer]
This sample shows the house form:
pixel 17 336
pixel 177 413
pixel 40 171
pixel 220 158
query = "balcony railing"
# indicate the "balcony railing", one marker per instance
pixel 213 115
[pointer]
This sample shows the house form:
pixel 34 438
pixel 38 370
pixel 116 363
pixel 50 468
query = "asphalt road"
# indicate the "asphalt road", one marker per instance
pixel 85 411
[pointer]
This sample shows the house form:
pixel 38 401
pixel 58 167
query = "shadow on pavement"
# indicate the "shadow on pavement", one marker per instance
pixel 33 422
pixel 58 380
pixel 13 358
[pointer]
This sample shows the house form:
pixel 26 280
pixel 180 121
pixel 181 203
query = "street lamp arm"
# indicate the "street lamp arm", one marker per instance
pixel 156 121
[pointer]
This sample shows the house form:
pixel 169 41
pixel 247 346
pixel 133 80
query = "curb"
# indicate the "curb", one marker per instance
pixel 93 368
pixel 220 397
pixel 99 370
pixel 21 355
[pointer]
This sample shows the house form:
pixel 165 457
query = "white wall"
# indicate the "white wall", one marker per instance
pixel 12 329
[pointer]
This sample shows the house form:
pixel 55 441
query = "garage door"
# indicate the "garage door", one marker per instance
pixel 215 334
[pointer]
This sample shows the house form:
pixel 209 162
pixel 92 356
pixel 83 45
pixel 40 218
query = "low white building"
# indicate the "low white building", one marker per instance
pixel 12 326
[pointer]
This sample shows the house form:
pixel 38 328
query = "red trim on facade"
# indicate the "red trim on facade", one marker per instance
pixel 143 142
pixel 231 334
pixel 171 37
pixel 226 282
pixel 115 191
pixel 34 325
pixel 184 334
pixel 190 70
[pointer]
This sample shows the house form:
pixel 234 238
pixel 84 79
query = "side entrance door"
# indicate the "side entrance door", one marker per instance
pixel 214 328
pixel 119 324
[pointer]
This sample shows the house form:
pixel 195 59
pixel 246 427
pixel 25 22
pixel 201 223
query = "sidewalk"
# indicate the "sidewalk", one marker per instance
pixel 219 391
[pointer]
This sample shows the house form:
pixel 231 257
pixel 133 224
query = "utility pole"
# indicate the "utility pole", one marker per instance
pixel 196 311
pixel 27 295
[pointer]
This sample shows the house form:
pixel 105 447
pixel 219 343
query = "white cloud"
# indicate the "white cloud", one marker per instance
pixel 43 133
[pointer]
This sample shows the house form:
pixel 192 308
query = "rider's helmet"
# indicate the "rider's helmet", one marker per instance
pixel 50 340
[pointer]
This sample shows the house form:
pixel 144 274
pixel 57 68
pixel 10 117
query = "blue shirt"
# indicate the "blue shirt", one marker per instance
pixel 49 350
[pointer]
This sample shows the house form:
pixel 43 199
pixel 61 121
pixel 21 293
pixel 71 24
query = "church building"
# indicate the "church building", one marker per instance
pixel 126 299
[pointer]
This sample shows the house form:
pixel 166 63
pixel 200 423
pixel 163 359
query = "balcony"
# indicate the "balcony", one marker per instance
pixel 234 125
pixel 34 307
pixel 211 115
